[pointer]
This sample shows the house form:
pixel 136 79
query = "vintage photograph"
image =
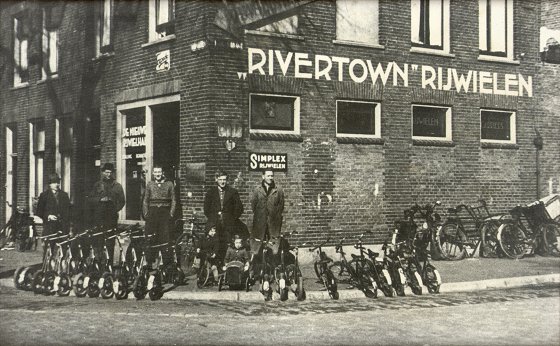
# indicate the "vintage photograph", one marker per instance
pixel 283 172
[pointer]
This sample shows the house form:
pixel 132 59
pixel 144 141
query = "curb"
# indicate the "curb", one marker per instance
pixel 450 287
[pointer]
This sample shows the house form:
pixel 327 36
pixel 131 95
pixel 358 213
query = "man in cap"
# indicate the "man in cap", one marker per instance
pixel 54 208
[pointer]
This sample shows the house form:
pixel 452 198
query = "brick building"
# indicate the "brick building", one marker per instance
pixel 362 108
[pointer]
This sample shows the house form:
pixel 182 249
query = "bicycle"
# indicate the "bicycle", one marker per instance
pixel 39 284
pixel 357 275
pixel 287 273
pixel 402 269
pixel 265 268
pixel 378 267
pixel 66 267
pixel 322 270
pixel 19 231
pixel 124 271
pixel 86 282
pixel 530 230
pixel 460 237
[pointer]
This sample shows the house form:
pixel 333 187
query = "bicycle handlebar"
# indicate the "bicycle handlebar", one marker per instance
pixel 320 245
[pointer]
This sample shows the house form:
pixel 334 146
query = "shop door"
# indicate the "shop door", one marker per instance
pixel 166 138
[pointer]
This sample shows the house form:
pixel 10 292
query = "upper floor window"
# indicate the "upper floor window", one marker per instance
pixel 21 46
pixel 274 114
pixel 103 26
pixel 161 19
pixel 497 126
pixel 495 23
pixel 357 21
pixel 358 119
pixel 431 122
pixel 49 44
pixel 429 24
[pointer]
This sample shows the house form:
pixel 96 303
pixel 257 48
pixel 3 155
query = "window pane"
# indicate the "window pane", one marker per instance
pixel 272 113
pixel 39 137
pixel 435 22
pixel 134 145
pixel 38 174
pixel 429 121
pixel 162 11
pixel 482 30
pixel 106 37
pixel 53 52
pixel 498 23
pixel 357 20
pixel 355 118
pixel 415 20
pixel 495 125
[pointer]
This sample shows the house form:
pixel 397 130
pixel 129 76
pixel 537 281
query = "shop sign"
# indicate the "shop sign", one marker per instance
pixel 268 161
pixel 163 61
pixel 134 136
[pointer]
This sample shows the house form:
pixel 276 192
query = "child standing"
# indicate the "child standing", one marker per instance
pixel 211 249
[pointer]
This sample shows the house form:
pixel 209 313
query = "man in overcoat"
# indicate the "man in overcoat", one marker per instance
pixel 53 207
pixel 267 202
pixel 223 207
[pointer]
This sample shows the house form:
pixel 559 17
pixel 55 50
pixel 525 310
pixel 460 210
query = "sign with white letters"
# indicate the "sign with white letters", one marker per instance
pixel 268 162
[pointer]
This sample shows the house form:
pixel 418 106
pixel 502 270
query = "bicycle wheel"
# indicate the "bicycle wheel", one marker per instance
pixel 64 285
pixel 203 276
pixel 93 290
pixel 300 290
pixel 433 279
pixel 550 233
pixel 106 285
pixel 139 287
pixel 339 272
pixel 450 239
pixel 120 287
pixel 512 240
pixel 330 284
pixel 37 285
pixel 80 289
pixel 490 246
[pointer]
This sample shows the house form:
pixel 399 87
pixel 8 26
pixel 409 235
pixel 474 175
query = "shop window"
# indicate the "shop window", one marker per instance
pixel 357 21
pixel 64 141
pixel 274 114
pixel 103 27
pixel 431 122
pixel 21 43
pixel 37 158
pixel 161 19
pixel 497 126
pixel 430 24
pixel 496 28
pixel 358 119
pixel 49 44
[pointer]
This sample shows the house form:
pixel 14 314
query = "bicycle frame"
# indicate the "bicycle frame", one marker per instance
pixel 323 272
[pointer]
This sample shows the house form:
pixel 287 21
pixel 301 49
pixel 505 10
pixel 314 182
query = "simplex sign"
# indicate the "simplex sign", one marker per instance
pixel 267 161
pixel 306 66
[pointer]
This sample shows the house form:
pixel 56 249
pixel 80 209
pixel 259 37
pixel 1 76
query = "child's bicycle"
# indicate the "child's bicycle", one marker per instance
pixel 322 270
pixel 262 268
pixel 287 272
pixel 234 276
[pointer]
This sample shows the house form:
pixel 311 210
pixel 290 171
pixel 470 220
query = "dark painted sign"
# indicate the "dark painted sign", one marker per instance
pixel 268 161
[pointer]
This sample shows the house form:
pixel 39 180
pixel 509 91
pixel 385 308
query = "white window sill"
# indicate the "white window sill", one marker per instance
pixel 20 86
pixel 430 51
pixel 44 80
pixel 358 44
pixel 159 40
pixel 274 34
pixel 498 59
pixel 103 56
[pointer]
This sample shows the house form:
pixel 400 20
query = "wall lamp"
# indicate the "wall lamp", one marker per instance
pixel 230 131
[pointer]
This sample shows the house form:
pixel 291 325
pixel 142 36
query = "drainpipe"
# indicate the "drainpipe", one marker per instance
pixel 538 142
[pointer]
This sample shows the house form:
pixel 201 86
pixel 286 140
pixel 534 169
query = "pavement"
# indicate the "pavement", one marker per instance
pixel 472 274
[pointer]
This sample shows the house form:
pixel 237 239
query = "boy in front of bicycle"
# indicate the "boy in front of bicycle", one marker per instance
pixel 211 250
pixel 237 252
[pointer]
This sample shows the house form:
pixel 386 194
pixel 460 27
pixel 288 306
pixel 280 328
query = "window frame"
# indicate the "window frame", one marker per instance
pixel 64 149
pixel 156 30
pixel 485 35
pixel 296 112
pixel 445 46
pixel 512 127
pixel 376 120
pixel 48 53
pixel 448 123
pixel 339 38
pixel 36 159
pixel 20 50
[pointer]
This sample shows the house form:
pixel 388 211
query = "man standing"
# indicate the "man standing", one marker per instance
pixel 223 207
pixel 108 198
pixel 267 203
pixel 159 207
pixel 54 208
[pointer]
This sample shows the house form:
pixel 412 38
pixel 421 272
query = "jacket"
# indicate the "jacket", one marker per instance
pixel 159 195
pixel 231 211
pixel 49 204
pixel 267 211
pixel 110 189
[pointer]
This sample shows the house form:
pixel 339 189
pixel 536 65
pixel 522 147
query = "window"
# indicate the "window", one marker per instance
pixel 497 126
pixel 64 139
pixel 358 119
pixel 284 26
pixel 430 24
pixel 357 21
pixel 37 157
pixel 431 122
pixel 10 170
pixel 161 19
pixel 496 28
pixel 21 42
pixel 50 44
pixel 103 26
pixel 274 114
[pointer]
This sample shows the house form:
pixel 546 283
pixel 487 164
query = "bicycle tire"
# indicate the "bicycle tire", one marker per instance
pixel 93 290
pixel 78 282
pixel 19 277
pixel 5 235
pixel 450 238
pixel 64 285
pixel 139 287
pixel 432 278
pixel 490 246
pixel 550 233
pixel 106 290
pixel 120 287
pixel 512 240
pixel 37 285
pixel 202 276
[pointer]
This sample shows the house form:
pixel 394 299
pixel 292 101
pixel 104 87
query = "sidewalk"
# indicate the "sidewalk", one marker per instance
pixel 466 275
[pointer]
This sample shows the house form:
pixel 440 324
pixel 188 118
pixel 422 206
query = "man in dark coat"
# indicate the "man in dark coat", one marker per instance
pixel 54 208
pixel 108 198
pixel 223 207
pixel 267 202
